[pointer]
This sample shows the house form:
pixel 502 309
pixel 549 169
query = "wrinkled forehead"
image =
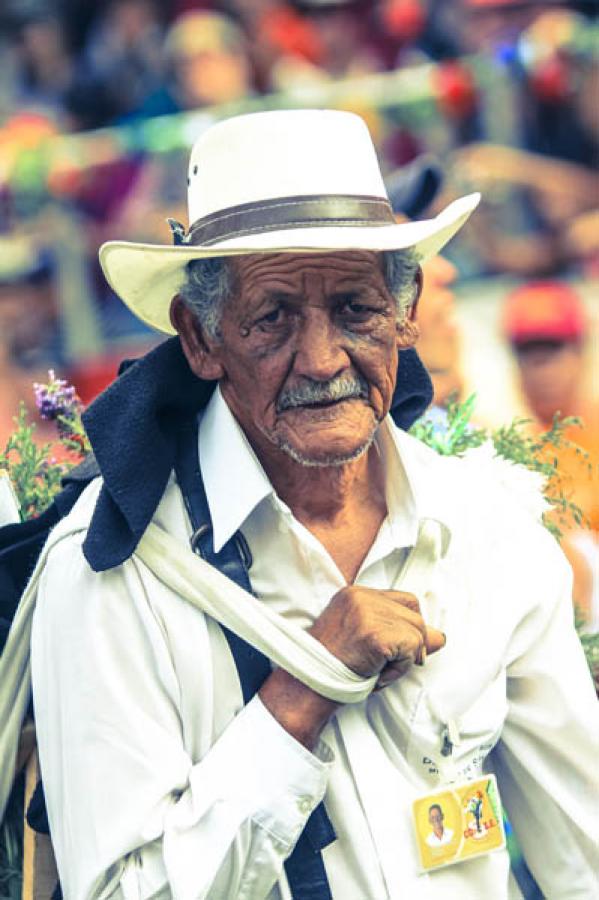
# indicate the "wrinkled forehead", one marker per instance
pixel 359 266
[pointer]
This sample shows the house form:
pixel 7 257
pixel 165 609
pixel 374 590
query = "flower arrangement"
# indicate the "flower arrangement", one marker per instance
pixel 36 471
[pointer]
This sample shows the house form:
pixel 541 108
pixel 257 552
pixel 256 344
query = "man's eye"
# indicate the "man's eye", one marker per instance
pixel 356 309
pixel 273 317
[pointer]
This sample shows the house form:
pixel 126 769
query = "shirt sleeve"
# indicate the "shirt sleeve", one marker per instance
pixel 547 759
pixel 143 799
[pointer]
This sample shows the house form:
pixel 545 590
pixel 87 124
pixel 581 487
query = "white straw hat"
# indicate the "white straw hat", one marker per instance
pixel 275 182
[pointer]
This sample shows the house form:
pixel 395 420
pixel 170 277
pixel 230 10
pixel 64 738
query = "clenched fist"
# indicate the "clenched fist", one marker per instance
pixel 374 631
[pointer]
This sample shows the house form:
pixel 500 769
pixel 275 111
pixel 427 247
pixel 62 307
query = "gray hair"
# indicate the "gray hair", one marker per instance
pixel 210 282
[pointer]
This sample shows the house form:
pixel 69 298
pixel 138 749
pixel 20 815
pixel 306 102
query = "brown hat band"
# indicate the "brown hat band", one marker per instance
pixel 289 212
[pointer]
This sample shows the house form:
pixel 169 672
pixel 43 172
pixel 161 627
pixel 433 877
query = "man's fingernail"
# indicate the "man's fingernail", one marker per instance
pixel 444 638
pixel 422 658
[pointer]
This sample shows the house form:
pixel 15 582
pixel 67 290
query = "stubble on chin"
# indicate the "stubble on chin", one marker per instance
pixel 323 459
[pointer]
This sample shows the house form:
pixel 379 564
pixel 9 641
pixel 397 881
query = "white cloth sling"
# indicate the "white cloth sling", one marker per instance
pixel 214 594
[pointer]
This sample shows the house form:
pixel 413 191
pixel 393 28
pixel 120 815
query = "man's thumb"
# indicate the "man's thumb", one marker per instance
pixel 435 640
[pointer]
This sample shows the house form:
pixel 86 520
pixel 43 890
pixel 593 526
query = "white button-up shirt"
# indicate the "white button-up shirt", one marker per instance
pixel 160 783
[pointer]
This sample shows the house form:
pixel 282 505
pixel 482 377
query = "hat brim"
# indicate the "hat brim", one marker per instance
pixel 147 276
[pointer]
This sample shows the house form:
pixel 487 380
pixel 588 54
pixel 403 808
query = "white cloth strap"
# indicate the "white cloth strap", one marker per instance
pixel 214 594
pixel 285 643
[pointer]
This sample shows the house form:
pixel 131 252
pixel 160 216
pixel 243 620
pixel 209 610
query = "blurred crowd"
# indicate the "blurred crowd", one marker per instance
pixel 506 94
pixel 497 95
pixel 82 65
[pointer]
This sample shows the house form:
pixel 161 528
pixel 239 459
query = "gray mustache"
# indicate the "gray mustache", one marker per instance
pixel 342 387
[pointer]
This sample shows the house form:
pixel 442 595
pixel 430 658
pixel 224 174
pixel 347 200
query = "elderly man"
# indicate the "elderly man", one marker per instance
pixel 176 761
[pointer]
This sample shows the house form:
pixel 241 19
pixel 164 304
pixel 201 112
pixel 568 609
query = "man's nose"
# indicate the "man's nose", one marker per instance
pixel 320 353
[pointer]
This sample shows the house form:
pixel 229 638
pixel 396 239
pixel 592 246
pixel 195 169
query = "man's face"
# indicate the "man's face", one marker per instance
pixel 551 374
pixel 438 347
pixel 301 330
pixel 435 818
pixel 210 77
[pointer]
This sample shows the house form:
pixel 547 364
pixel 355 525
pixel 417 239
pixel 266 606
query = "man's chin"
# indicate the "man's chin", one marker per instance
pixel 321 458
pixel 329 436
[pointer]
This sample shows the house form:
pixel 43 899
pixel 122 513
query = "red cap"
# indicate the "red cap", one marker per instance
pixel 543 310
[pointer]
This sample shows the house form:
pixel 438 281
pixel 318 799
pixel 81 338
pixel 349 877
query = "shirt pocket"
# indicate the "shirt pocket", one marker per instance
pixel 450 739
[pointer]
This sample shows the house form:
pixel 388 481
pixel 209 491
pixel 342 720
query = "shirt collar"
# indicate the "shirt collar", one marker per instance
pixel 234 480
pixel 433 480
pixel 236 483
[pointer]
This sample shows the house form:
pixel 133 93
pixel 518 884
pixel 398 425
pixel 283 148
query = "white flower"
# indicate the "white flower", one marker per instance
pixel 523 485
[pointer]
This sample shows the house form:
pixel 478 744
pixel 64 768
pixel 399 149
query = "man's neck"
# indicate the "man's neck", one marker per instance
pixel 322 493
pixel 343 506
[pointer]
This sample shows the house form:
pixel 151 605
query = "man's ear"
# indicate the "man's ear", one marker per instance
pixel 200 351
pixel 418 285
pixel 408 330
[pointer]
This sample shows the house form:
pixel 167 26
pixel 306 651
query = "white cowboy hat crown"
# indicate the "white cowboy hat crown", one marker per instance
pixel 275 182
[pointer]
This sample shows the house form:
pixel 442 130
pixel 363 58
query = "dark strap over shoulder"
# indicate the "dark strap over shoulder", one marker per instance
pixel 305 867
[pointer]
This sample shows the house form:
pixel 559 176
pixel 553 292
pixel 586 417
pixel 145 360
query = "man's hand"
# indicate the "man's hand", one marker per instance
pixel 369 630
pixel 374 631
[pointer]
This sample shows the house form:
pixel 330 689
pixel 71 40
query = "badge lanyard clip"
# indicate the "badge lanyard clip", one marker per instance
pixel 450 738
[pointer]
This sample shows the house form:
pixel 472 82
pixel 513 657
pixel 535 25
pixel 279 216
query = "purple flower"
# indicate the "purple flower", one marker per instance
pixel 57 398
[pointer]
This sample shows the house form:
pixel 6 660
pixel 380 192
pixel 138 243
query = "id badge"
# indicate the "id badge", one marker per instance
pixel 458 822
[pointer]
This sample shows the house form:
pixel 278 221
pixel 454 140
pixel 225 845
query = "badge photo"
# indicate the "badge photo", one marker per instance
pixel 458 822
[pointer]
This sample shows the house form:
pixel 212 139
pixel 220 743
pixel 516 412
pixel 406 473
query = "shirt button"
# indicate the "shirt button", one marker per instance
pixel 305 804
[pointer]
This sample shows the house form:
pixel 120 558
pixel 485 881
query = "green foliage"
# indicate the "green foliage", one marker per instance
pixel 451 434
pixel 538 453
pixel 34 472
pixel 72 434
pixel 454 435
pixel 590 645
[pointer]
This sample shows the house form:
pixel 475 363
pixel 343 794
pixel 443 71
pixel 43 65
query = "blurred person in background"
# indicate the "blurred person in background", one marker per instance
pixel 121 61
pixel 348 40
pixel 548 330
pixel 29 338
pixel 206 63
pixel 42 62
pixel 539 214
pixel 284 45
pixel 412 189
pixel 492 26
pixel 417 31
pixel 558 69
pixel 540 193
pixel 439 345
